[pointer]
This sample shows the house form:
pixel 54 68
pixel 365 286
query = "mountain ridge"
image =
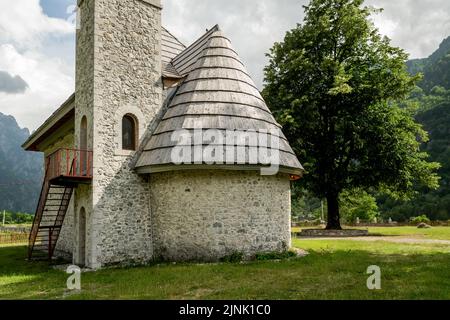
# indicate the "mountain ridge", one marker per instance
pixel 435 68
pixel 21 172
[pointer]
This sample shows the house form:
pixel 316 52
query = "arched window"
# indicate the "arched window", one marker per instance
pixel 129 132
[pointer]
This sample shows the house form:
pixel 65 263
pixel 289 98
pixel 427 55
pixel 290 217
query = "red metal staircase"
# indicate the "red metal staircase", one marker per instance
pixel 65 169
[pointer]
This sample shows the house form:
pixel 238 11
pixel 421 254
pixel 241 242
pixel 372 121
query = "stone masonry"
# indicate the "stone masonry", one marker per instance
pixel 118 68
pixel 180 215
pixel 208 214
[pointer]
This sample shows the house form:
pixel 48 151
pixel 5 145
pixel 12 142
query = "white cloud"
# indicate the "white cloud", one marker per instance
pixel 252 25
pixel 23 23
pixel 40 49
pixel 29 42
pixel 48 85
pixel 416 26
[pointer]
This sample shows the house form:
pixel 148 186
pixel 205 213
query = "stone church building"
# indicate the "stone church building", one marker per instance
pixel 113 192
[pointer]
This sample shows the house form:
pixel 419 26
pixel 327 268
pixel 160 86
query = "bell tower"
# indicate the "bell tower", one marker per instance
pixel 118 94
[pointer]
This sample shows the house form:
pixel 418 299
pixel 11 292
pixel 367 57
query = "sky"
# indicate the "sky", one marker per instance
pixel 37 40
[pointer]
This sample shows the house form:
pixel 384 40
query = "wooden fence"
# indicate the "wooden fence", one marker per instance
pixel 13 238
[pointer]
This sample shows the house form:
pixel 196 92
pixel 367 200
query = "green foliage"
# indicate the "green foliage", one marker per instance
pixel 304 205
pixel 234 257
pixel 433 112
pixel 333 83
pixel 266 256
pixel 435 69
pixel 358 204
pixel 420 219
pixel 16 218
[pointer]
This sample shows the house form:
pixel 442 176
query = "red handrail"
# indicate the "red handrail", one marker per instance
pixel 66 162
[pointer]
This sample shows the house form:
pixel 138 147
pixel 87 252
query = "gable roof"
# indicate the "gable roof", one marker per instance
pixel 217 93
pixel 170 46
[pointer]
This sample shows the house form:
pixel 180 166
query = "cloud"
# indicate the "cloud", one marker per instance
pixel 24 24
pixel 254 25
pixel 10 84
pixel 50 81
pixel 41 50
pixel 416 26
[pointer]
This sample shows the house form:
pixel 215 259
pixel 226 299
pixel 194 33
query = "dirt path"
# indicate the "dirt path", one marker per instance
pixel 394 239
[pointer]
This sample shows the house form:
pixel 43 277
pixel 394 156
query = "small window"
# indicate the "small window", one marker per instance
pixel 83 134
pixel 129 132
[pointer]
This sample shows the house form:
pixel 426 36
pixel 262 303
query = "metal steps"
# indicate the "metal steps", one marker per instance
pixel 48 220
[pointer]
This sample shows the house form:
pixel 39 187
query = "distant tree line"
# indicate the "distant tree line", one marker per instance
pixel 13 218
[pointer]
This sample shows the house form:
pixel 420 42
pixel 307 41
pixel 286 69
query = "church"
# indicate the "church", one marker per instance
pixel 164 151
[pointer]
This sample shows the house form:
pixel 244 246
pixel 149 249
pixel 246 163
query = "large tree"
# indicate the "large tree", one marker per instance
pixel 333 83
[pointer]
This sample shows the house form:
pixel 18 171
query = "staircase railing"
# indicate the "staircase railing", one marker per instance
pixel 72 163
pixel 67 195
pixel 39 210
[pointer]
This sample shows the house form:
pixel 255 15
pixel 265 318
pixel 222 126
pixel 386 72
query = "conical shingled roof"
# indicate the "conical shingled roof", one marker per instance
pixel 217 93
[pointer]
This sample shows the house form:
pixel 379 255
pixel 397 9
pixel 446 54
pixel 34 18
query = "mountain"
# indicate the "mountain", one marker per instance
pixel 433 98
pixel 435 68
pixel 21 172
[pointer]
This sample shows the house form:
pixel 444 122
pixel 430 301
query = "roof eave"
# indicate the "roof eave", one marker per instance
pixel 172 167
pixel 59 117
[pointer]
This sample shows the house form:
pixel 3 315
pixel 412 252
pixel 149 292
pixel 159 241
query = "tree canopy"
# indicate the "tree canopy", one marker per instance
pixel 333 84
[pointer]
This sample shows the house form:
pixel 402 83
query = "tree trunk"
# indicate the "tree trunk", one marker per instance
pixel 334 217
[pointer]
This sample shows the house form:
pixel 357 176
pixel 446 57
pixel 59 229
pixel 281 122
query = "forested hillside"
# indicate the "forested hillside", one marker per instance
pixel 435 68
pixel 20 172
pixel 433 99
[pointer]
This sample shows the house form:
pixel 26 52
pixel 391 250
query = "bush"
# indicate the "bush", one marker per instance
pixel 235 257
pixel 265 256
pixel 420 219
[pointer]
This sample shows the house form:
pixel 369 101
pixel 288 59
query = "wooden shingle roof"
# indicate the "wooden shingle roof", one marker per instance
pixel 216 93
pixel 170 48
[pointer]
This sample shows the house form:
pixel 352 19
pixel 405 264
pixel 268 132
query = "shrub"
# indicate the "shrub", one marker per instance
pixel 420 219
pixel 265 256
pixel 235 257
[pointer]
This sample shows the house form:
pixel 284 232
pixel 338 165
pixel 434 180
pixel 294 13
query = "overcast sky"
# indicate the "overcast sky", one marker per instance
pixel 37 41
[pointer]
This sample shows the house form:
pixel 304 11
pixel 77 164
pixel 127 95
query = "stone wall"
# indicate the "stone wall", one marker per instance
pixel 322 233
pixel 206 215
pixel 119 69
pixel 84 106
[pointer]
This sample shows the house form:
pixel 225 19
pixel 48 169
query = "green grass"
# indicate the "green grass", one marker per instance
pixel 332 270
pixel 436 233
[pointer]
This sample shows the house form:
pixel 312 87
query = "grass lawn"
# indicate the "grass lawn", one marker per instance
pixel 436 233
pixel 332 270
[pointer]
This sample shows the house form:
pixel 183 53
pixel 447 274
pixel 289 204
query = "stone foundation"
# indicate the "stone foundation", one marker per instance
pixel 322 233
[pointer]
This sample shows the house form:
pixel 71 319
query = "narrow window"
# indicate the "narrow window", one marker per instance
pixel 83 134
pixel 83 154
pixel 129 132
